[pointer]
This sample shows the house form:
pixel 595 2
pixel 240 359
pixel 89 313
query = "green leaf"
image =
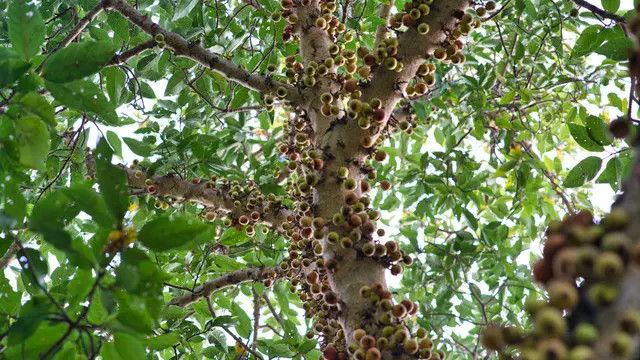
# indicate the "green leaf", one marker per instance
pixel 77 60
pixel 584 171
pixel 114 142
pixel 114 79
pixel 14 204
pixel 97 312
pixel 32 313
pixel 233 237
pixel 26 27
pixel 165 233
pixel 183 8
pixel 129 347
pixel 226 263
pixel 598 130
pixel 10 299
pixel 35 266
pixel 138 147
pixel 11 70
pixel 109 351
pixel 84 96
pixel 119 25
pixel 134 313
pixel 617 49
pixel 87 200
pixel 587 42
pixel 611 5
pixel 162 341
pixel 244 321
pixel 112 181
pixel 41 340
pixel 53 211
pixel 38 105
pixel 581 136
pixel 79 286
pixel 33 141
pixel 612 174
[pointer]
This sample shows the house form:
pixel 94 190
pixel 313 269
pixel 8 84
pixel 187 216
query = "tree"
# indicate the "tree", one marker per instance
pixel 286 163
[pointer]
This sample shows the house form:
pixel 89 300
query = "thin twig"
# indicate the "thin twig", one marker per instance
pixel 234 336
pixel 273 311
pixel 124 56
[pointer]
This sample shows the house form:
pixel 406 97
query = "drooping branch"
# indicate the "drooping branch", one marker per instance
pixel 181 47
pixel 256 318
pixel 226 280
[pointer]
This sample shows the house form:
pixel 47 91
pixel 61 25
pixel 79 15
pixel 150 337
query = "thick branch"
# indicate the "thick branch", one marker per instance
pixel 600 12
pixel 342 143
pixel 229 279
pixel 179 189
pixel 389 85
pixel 181 47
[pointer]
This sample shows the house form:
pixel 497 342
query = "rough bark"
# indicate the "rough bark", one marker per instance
pixel 226 280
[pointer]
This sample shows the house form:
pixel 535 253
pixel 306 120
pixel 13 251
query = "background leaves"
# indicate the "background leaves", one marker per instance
pixel 503 144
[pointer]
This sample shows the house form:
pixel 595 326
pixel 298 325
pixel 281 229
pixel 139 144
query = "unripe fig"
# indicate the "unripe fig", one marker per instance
pixel 549 323
pixel 621 345
pixel 585 333
pixel 562 294
pixel 410 346
pixel 423 29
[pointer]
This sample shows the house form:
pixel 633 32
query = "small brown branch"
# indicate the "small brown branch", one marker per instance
pixel 80 26
pixel 226 280
pixel 256 318
pixel 9 254
pixel 181 47
pixel 124 56
pixel 600 12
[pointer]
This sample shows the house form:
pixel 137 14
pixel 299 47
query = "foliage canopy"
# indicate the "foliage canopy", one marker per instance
pixel 157 171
